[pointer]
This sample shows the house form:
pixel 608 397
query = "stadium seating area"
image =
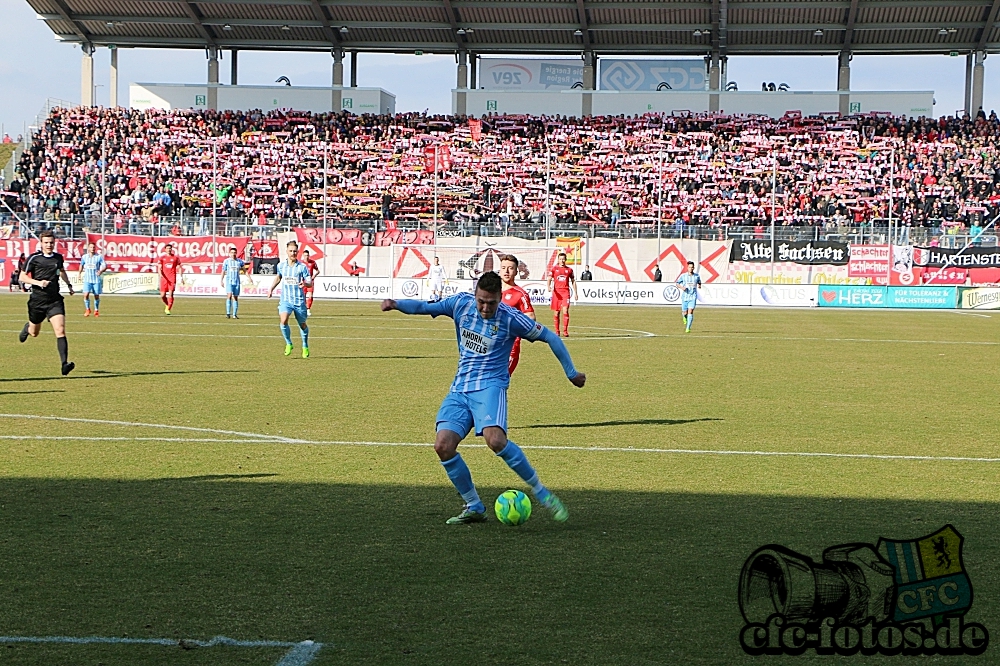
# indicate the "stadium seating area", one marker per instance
pixel 602 171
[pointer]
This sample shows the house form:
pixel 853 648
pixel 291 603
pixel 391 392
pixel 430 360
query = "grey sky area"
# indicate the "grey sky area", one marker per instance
pixel 34 67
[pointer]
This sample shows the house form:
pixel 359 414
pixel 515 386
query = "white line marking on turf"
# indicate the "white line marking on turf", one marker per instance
pixel 970 314
pixel 803 339
pixel 301 653
pixel 134 424
pixel 257 438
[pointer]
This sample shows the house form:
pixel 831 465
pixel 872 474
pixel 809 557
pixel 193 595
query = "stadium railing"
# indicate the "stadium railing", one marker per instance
pixel 76 227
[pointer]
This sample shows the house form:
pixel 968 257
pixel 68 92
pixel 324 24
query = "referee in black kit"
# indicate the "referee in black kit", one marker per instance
pixel 42 271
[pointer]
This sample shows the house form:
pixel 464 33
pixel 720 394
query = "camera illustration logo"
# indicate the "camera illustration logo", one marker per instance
pixel 895 597
pixel 410 288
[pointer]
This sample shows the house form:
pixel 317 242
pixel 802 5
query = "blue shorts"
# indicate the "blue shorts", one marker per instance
pixel 689 303
pixel 93 287
pixel 298 310
pixel 459 412
pixel 233 289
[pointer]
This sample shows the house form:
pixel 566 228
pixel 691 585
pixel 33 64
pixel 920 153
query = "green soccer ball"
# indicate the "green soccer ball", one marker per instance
pixel 513 508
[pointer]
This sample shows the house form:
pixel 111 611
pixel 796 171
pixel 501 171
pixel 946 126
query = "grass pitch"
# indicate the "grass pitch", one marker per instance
pixel 131 530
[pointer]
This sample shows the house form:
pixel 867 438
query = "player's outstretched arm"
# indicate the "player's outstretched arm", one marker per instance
pixel 411 307
pixel 562 353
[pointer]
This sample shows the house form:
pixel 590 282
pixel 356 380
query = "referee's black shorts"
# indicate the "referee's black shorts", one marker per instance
pixel 40 309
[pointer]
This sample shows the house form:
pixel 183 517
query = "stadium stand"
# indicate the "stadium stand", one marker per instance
pixel 603 172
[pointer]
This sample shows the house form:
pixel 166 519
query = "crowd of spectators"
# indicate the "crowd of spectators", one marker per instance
pixel 501 170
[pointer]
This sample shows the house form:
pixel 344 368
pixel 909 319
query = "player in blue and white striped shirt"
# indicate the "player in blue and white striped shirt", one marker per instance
pixel 486 329
pixel 92 267
pixel 293 276
pixel 231 269
pixel 689 283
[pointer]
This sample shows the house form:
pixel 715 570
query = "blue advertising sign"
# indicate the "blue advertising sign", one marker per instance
pixel 620 74
pixel 871 296
pixel 922 297
pixel 851 296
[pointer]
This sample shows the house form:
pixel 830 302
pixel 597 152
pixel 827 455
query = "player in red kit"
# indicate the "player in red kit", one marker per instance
pixel 313 274
pixel 169 267
pixel 560 279
pixel 516 298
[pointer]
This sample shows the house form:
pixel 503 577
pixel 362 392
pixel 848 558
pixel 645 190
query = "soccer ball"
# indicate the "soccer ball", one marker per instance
pixel 513 508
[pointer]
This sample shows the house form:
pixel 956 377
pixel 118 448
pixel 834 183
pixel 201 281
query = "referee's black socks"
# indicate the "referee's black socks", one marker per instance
pixel 63 349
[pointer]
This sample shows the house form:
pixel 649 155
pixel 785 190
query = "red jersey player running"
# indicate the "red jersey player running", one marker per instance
pixel 516 298
pixel 311 284
pixel 169 267
pixel 560 279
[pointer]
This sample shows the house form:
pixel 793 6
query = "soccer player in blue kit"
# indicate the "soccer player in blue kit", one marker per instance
pixel 92 267
pixel 231 269
pixel 292 275
pixel 486 330
pixel 689 283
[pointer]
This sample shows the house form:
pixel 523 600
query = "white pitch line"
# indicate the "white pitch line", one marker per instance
pixel 134 424
pixel 313 337
pixel 804 339
pixel 257 438
pixel 301 653
pixel 140 439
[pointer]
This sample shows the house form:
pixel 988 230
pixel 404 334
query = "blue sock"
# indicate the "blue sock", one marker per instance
pixel 227 306
pixel 97 302
pixel 286 331
pixel 305 336
pixel 86 301
pixel 236 307
pixel 516 460
pixel 461 477
pixel 690 319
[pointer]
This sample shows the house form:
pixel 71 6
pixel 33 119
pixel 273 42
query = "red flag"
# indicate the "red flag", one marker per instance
pixel 443 157
pixel 476 128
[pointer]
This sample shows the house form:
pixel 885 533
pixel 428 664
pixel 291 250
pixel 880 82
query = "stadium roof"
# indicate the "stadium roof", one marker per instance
pixel 654 27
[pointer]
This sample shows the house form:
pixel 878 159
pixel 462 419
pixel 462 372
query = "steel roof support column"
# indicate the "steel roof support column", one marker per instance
pixel 473 61
pixel 113 82
pixel 87 75
pixel 234 70
pixel 844 82
pixel 587 101
pixel 969 58
pixel 354 69
pixel 213 77
pixel 338 79
pixel 977 83
pixel 714 76
pixel 462 58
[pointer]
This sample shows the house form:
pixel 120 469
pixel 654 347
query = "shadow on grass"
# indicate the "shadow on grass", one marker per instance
pixel 31 392
pixel 110 374
pixel 373 571
pixel 405 358
pixel 602 424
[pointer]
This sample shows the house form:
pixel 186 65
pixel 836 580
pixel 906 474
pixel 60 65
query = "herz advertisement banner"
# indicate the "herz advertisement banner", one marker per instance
pixel 799 252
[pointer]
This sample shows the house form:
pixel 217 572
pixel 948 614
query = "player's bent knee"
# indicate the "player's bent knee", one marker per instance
pixel 495 438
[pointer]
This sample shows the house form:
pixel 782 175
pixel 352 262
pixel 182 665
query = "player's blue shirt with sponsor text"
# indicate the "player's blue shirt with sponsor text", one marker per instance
pixel 688 283
pixel 292 275
pixel 483 344
pixel 231 270
pixel 92 265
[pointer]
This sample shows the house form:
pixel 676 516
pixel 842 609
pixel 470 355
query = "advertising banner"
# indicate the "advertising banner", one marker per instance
pixel 198 252
pixel 869 261
pixel 921 297
pixel 352 288
pixel 530 74
pixel 621 74
pixel 852 296
pixel 786 272
pixel 799 252
pixel 980 298
pixel 659 293
pixel 11 250
pixel 971 257
pixel 784 295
